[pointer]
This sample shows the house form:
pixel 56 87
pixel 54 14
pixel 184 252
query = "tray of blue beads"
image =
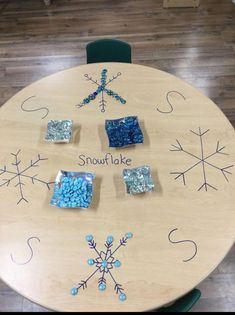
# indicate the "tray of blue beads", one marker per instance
pixel 73 189
pixel 138 180
pixel 59 131
pixel 124 131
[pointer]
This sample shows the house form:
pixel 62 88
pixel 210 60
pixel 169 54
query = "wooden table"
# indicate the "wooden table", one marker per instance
pixel 181 231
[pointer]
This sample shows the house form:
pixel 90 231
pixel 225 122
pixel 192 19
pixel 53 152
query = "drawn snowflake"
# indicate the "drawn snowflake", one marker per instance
pixel 202 160
pixel 19 175
pixel 104 263
pixel 102 89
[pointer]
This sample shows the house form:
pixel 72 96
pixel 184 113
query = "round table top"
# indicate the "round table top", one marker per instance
pixel 180 231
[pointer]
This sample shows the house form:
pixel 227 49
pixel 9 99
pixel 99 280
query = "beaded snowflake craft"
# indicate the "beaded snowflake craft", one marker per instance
pixel 101 88
pixel 104 264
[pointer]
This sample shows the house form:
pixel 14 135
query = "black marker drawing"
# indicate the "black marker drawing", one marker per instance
pixel 183 241
pixel 202 160
pixel 31 252
pixel 169 102
pixel 20 175
pixel 104 263
pixel 34 110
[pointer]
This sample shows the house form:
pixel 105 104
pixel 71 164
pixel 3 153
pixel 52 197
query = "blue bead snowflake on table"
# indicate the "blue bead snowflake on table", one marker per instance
pixel 104 263
pixel 102 89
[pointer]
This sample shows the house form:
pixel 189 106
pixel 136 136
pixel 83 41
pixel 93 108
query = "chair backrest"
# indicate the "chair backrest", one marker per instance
pixel 108 50
pixel 183 304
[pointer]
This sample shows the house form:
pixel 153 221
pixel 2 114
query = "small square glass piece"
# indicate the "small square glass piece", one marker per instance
pixel 123 131
pixel 59 130
pixel 73 190
pixel 138 180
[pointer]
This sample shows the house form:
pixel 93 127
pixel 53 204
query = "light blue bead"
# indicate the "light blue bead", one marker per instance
pixel 90 262
pixel 74 291
pixel 89 238
pixel 129 235
pixel 117 263
pixel 110 239
pixel 122 297
pixel 102 286
pixel 104 263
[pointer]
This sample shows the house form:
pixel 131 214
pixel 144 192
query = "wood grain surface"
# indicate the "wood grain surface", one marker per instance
pixel 197 46
pixel 190 150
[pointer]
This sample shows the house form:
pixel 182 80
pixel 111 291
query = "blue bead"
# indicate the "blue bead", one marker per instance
pixel 74 291
pixel 89 238
pixel 122 297
pixel 102 286
pixel 90 262
pixel 117 263
pixel 104 263
pixel 129 235
pixel 110 239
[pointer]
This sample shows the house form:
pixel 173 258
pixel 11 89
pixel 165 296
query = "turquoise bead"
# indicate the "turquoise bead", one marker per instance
pixel 129 235
pixel 89 238
pixel 104 263
pixel 102 286
pixel 122 297
pixel 90 262
pixel 117 263
pixel 110 239
pixel 74 291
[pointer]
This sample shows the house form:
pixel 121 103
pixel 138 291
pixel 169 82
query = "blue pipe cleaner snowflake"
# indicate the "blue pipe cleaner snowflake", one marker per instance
pixel 102 89
pixel 104 263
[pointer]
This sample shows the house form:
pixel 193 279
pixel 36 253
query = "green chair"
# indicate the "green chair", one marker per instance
pixel 183 304
pixel 108 50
